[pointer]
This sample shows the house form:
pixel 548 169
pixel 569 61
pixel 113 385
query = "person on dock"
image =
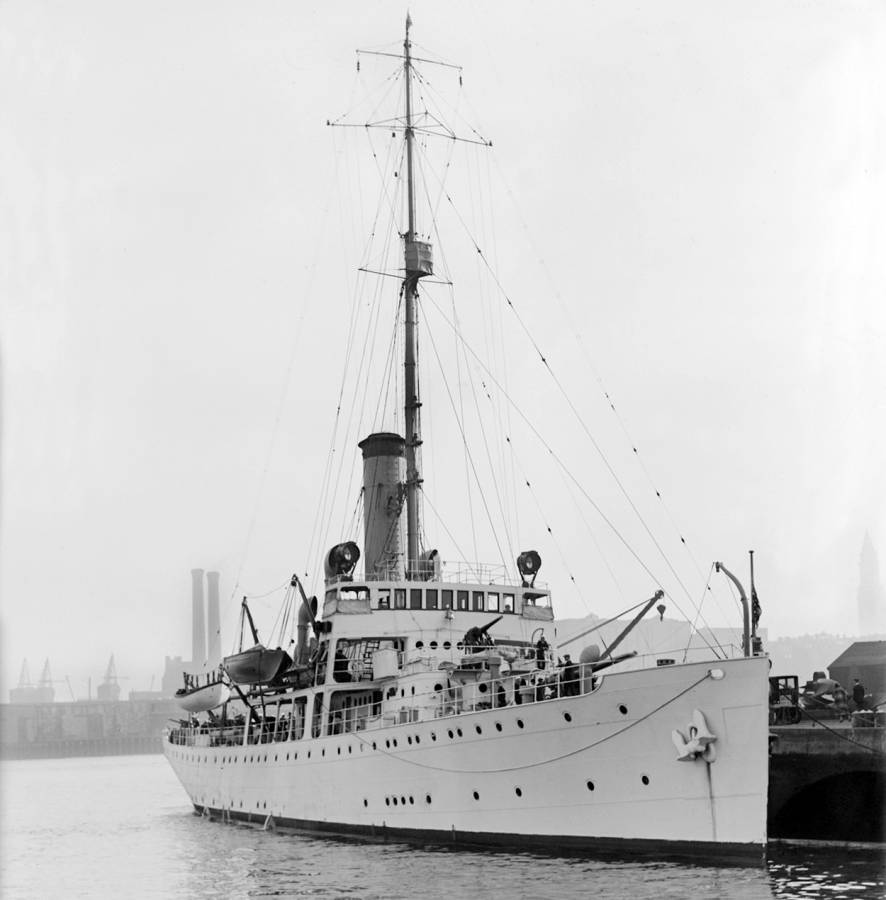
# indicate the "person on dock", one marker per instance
pixel 858 693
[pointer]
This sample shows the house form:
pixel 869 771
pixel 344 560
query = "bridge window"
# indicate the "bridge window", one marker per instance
pixel 399 598
pixel 430 598
pixel 479 601
pixel 384 598
pixel 447 599
pixel 462 599
pixel 508 603
pixel 492 602
pixel 415 598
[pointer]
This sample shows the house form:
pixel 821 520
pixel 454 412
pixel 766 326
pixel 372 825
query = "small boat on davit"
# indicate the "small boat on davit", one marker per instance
pixel 258 664
pixel 202 694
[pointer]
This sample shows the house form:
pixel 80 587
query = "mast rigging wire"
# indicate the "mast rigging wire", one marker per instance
pixel 566 470
pixel 598 378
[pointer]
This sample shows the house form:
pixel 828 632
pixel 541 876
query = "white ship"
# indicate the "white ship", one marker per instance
pixel 424 702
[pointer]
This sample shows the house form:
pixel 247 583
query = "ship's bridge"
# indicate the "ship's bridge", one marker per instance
pixel 459 588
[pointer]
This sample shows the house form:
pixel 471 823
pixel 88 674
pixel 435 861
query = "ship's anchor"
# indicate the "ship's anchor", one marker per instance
pixel 700 744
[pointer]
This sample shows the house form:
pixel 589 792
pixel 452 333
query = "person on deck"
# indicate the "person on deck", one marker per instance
pixel 541 651
pixel 569 677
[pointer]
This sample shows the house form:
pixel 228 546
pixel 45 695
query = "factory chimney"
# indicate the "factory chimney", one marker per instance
pixel 198 621
pixel 213 619
pixel 384 473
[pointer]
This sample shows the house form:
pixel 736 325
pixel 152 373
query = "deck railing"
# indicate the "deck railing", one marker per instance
pixel 535 686
pixel 453 572
pixel 524 688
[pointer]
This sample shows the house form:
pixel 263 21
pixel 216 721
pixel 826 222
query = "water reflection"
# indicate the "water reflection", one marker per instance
pixel 121 827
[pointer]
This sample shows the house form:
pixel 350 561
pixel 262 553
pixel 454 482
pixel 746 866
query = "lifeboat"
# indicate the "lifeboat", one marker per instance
pixel 203 698
pixel 257 665
pixel 203 691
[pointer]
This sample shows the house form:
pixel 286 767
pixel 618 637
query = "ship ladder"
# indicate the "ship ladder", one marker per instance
pixel 369 648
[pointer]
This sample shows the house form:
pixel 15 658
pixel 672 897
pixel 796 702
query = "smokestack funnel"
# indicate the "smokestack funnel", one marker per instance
pixel 198 621
pixel 214 619
pixel 384 473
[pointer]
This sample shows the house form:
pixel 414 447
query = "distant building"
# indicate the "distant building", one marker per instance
pixel 109 689
pixel 865 660
pixel 27 692
pixel 871 596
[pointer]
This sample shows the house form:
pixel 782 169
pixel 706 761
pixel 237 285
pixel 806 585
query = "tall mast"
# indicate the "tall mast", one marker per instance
pixel 418 264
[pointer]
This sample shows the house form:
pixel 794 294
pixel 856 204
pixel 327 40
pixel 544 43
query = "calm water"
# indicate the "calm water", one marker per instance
pixel 121 827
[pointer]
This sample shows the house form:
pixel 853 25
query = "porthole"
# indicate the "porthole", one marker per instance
pixel 403 801
pixel 478 729
pixel 498 726
pixel 447 645
pixel 339 751
pixel 567 716
pixel 482 688
pixel 349 748
pixel 519 723
pixel 417 739
pixel 265 805
pixel 419 645
pixel 395 801
pixel 433 736
pixel 374 747
pixel 623 709
pixel 590 785
pixel 309 754
pixel 438 687
pixel 365 802
pixel 394 742
pixel 645 779
pixel 428 799
pixel 275 757
pixel 411 800
pixel 323 752
pixel 476 795
pixel 387 801
pixel 451 733
pixel 388 744
pixel 458 732
pixel 287 757
pixel 518 792
pixel 433 645
pixel 409 739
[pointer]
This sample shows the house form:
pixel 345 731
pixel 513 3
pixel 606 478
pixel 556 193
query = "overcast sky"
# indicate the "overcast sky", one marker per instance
pixel 685 202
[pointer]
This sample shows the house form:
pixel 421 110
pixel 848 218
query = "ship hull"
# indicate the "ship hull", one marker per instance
pixel 592 772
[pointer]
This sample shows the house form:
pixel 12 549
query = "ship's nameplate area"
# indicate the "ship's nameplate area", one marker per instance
pixel 446 597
